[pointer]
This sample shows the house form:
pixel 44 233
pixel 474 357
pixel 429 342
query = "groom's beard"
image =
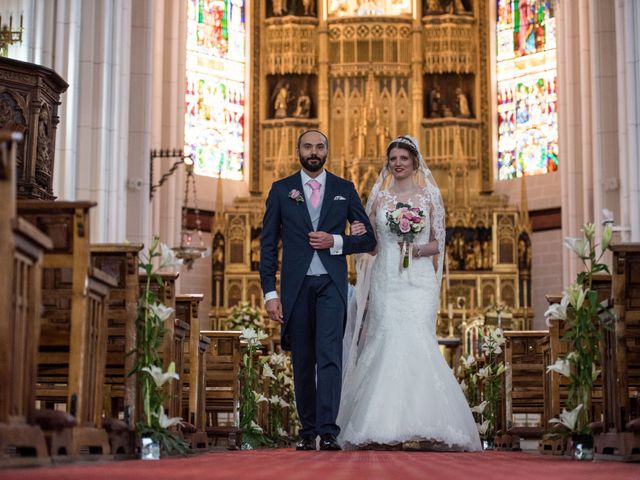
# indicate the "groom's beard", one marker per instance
pixel 313 163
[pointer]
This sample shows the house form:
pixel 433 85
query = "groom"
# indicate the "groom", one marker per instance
pixel 309 211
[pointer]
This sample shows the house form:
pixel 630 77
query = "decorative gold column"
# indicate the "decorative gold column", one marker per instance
pixel 417 94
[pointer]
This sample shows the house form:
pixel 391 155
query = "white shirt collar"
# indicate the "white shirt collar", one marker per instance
pixel 320 178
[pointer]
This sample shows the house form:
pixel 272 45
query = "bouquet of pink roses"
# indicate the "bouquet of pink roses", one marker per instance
pixel 406 222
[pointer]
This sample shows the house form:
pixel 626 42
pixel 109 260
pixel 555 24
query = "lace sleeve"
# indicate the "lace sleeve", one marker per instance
pixel 437 221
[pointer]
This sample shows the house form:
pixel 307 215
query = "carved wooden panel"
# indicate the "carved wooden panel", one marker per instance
pixel 450 44
pixel 29 99
pixel 291 45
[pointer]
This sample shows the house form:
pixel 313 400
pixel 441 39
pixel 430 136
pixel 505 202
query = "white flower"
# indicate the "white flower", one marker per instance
pixel 282 432
pixel 277 359
pixel 558 310
pixel 576 295
pixel 482 428
pixel 252 337
pixel 594 372
pixel 484 372
pixel 259 397
pixel 287 380
pixel 589 230
pixel 464 386
pixel 480 408
pixel 607 233
pixel 161 311
pixel 168 257
pixel 491 347
pixel 267 372
pixel 255 427
pixel 497 336
pixel 568 419
pixel 578 245
pixel 160 377
pixel 283 403
pixel 275 399
pixel 468 361
pixel 562 366
pixel 166 422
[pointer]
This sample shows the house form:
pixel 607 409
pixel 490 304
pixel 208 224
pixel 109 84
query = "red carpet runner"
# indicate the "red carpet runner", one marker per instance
pixel 287 464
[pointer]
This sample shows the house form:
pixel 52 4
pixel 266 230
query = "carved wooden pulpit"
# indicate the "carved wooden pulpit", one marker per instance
pixel 29 99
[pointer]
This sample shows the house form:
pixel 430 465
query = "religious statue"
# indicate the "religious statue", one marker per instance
pixel 469 257
pixel 435 106
pixel 458 245
pixel 455 7
pixel 461 105
pixel 486 255
pixel 303 106
pixel 524 255
pixel 309 7
pixel 217 256
pixel 255 253
pixel 43 155
pixel 477 254
pixel 279 7
pixel 281 95
pixel 433 7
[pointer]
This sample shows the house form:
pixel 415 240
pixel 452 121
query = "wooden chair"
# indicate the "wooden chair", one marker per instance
pixel 620 438
pixel 72 345
pixel 223 387
pixel 21 249
pixel 522 408
pixel 193 384
pixel 120 389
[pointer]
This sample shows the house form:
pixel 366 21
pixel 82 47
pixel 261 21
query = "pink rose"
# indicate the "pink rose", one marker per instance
pixel 404 225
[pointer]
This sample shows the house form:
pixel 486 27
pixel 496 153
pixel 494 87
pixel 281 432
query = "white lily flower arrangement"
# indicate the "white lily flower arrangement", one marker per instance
pixel 152 379
pixel 582 317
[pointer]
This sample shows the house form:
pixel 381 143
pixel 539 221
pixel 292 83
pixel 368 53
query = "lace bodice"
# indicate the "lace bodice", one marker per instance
pixel 387 203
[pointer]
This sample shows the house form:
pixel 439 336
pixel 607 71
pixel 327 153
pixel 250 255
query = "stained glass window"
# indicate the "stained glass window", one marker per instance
pixel 527 95
pixel 215 91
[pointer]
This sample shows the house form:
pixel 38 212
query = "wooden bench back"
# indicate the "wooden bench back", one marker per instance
pixel 21 251
pixel 621 350
pixel 222 377
pixel 72 344
pixel 121 262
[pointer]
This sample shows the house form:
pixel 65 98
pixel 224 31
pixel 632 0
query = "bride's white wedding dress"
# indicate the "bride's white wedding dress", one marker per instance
pixel 401 389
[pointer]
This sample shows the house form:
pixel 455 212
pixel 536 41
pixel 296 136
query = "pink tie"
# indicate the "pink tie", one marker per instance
pixel 315 192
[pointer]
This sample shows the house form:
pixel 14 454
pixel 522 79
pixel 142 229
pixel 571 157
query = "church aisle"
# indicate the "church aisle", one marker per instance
pixel 287 464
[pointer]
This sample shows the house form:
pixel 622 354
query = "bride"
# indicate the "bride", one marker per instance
pixel 397 387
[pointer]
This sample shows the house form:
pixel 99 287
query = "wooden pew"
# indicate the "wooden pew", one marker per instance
pixel 72 345
pixel 21 249
pixel 193 384
pixel 620 438
pixel 523 388
pixel 120 389
pixel 223 387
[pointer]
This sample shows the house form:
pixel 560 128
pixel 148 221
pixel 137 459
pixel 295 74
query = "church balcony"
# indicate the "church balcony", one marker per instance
pixel 291 45
pixel 447 140
pixel 383 43
pixel 450 44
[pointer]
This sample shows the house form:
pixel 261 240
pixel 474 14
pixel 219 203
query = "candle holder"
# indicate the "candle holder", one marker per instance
pixel 9 36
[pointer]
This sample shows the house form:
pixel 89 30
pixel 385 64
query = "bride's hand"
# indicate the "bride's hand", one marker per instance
pixel 358 228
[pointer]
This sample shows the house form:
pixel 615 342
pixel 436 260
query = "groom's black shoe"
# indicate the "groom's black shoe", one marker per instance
pixel 306 443
pixel 329 442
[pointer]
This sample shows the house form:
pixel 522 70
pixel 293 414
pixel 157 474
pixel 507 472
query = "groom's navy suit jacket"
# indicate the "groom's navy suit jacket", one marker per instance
pixel 289 220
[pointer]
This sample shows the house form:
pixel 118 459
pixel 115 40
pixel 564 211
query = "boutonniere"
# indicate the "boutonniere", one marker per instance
pixel 296 195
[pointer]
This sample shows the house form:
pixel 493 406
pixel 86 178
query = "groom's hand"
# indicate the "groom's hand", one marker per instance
pixel 274 310
pixel 320 240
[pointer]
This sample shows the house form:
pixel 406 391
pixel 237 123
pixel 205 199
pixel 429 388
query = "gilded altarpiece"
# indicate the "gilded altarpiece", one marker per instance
pixel 365 75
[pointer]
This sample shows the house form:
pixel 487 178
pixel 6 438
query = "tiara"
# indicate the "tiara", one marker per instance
pixel 406 140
